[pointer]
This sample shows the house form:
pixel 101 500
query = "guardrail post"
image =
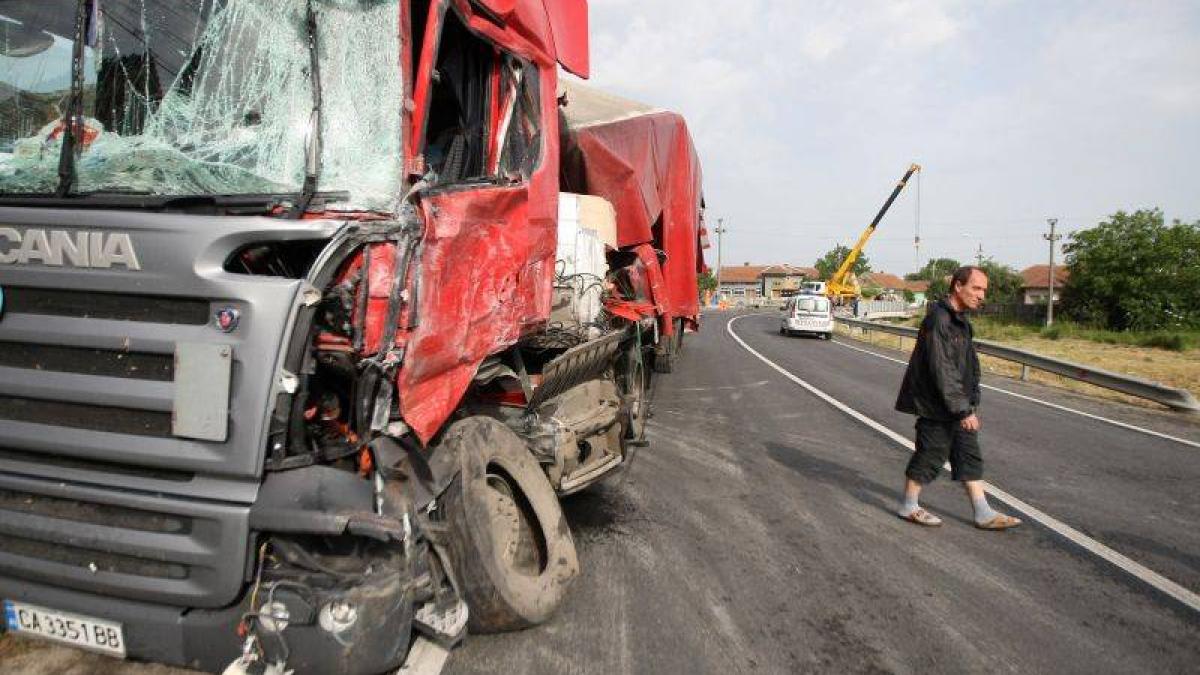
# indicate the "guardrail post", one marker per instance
pixel 1024 373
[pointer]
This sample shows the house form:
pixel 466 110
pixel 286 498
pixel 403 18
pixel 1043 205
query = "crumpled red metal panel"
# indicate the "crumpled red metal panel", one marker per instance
pixel 486 263
pixel 487 259
pixel 381 269
pixel 569 27
pixel 647 167
pixel 558 28
pixel 487 267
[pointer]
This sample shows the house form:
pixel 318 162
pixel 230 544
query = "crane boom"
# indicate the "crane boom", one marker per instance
pixel 839 285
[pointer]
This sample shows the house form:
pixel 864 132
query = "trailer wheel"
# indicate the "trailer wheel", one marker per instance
pixel 632 382
pixel 664 362
pixel 664 359
pixel 511 546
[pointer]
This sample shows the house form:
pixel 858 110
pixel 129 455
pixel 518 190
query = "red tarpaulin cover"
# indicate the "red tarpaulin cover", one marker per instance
pixel 642 160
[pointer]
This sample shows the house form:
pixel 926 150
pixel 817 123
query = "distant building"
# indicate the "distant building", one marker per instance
pixel 752 282
pixel 893 287
pixel 741 283
pixel 781 281
pixel 920 290
pixel 1036 286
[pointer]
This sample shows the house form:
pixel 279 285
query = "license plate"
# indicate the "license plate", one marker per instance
pixel 73 629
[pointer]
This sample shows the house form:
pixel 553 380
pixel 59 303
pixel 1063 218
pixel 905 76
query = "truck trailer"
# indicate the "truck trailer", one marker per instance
pixel 311 311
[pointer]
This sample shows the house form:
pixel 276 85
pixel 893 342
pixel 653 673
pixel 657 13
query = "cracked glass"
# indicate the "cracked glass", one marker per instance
pixel 204 97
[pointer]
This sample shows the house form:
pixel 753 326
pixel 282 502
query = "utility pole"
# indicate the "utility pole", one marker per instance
pixel 979 255
pixel 720 231
pixel 1053 239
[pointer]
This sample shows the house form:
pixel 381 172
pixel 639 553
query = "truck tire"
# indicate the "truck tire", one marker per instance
pixel 510 545
pixel 664 359
pixel 664 362
pixel 632 382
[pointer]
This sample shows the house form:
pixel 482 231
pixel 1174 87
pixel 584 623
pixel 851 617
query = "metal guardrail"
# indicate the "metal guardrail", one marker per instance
pixel 1176 399
pixel 870 308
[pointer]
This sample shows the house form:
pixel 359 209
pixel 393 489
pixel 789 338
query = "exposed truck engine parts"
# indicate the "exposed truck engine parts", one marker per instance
pixel 289 377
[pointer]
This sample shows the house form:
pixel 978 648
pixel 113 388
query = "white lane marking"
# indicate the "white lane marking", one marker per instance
pixel 1106 420
pixel 424 658
pixel 1127 565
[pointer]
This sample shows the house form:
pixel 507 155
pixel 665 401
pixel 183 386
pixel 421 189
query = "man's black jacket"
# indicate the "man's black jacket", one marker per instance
pixel 942 380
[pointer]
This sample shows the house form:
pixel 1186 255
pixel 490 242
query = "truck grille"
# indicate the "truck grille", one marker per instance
pixel 115 306
pixel 127 464
pixel 92 560
pixel 110 419
pixel 103 362
pixel 95 514
pixel 146 546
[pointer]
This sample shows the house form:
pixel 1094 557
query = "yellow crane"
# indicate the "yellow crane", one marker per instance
pixel 843 285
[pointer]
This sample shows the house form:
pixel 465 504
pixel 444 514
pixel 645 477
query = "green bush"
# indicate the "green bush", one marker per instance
pixel 1051 332
pixel 1133 272
pixel 1176 342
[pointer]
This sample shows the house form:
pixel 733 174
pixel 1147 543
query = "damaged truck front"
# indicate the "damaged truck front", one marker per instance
pixel 300 343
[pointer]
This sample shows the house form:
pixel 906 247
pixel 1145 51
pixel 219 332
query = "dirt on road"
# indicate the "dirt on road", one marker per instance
pixel 22 656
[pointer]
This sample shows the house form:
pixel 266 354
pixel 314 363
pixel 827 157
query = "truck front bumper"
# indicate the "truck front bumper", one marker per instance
pixel 369 631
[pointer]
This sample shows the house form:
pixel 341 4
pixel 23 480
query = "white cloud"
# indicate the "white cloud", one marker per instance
pixel 923 23
pixel 805 114
pixel 820 42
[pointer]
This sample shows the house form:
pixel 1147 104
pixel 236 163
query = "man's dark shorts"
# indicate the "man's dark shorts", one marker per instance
pixel 939 441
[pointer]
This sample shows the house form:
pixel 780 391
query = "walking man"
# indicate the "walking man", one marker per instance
pixel 941 387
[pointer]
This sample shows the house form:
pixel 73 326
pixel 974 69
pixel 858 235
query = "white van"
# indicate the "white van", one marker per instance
pixel 807 314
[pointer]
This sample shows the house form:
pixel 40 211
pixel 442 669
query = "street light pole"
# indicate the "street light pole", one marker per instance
pixel 1052 238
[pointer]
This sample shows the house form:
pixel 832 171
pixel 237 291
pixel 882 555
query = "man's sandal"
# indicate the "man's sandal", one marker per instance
pixel 921 517
pixel 999 522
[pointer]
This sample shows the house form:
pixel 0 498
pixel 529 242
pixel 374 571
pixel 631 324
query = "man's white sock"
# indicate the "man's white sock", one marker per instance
pixel 983 511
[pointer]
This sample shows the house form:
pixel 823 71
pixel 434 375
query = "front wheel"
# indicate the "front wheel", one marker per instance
pixel 511 546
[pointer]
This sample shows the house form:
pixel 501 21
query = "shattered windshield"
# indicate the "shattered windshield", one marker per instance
pixel 203 97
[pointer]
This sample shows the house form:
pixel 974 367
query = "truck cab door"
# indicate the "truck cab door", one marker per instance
pixel 485 138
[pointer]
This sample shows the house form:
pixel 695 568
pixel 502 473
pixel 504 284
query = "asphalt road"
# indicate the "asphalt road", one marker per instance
pixel 756 534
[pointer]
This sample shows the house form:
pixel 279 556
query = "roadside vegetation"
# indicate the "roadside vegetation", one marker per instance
pixel 1131 306
pixel 1133 272
pixel 1174 368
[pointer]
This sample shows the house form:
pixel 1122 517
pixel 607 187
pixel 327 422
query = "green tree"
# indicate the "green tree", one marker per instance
pixel 1133 272
pixel 936 272
pixel 830 262
pixel 1004 283
pixel 934 269
pixel 706 281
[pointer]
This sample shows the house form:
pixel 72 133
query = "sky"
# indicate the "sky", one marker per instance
pixel 806 113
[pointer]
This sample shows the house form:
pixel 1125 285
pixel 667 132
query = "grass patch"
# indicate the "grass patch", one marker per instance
pixel 1169 357
pixel 1001 331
